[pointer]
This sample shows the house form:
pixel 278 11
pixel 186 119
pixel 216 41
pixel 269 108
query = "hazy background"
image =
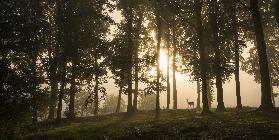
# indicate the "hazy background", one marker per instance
pixel 250 90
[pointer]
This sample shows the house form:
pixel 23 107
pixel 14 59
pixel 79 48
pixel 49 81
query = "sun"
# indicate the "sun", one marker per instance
pixel 163 63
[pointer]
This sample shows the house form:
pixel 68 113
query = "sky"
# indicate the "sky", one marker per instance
pixel 250 90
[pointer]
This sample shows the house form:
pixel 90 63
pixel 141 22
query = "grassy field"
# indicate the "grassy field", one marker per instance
pixel 171 124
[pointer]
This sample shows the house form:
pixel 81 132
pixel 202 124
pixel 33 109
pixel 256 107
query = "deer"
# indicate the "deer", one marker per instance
pixel 190 103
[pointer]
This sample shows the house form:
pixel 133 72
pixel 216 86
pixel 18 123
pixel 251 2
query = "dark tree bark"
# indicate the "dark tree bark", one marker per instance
pixel 209 96
pixel 34 87
pixel 199 95
pixel 54 88
pixel 96 95
pixel 174 70
pixel 159 33
pixel 168 73
pixel 73 89
pixel 130 53
pixel 217 57
pixel 96 87
pixel 203 55
pixel 54 62
pixel 34 52
pixel 4 64
pixel 62 90
pixel 136 61
pixel 119 99
pixel 236 55
pixel 266 102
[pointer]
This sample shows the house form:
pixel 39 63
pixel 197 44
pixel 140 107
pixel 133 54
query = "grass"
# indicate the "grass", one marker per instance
pixel 170 124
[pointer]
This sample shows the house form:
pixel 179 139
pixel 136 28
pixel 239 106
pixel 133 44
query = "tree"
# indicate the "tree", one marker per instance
pixel 214 7
pixel 62 87
pixel 138 28
pixel 266 103
pixel 236 53
pixel 174 68
pixel 168 69
pixel 158 23
pixel 199 95
pixel 203 55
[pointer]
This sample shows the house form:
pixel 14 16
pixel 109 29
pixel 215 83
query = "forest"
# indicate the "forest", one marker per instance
pixel 60 59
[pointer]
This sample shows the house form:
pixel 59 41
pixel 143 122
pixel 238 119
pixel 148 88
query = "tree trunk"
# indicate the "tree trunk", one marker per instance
pixel 53 83
pixel 174 70
pixel 209 96
pixel 119 99
pixel 130 53
pixel 62 91
pixel 4 63
pixel 73 89
pixel 236 55
pixel 199 95
pixel 96 95
pixel 272 96
pixel 53 93
pixel 136 61
pixel 54 63
pixel 34 88
pixel 168 74
pixel 168 85
pixel 203 54
pixel 266 103
pixel 217 57
pixel 159 20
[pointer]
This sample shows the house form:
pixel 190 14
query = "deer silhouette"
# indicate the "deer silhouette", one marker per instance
pixel 190 103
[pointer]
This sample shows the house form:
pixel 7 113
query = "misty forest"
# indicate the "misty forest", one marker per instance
pixel 109 69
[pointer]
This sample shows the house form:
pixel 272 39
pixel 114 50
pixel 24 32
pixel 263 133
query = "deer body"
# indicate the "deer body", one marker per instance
pixel 190 103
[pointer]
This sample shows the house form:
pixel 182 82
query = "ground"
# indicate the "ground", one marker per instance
pixel 170 124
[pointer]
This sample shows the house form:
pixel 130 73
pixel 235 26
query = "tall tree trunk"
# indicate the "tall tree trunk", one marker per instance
pixel 96 95
pixel 174 69
pixel 119 99
pixel 54 63
pixel 217 57
pixel 62 90
pixel 209 96
pixel 266 103
pixel 203 55
pixel 34 88
pixel 73 89
pixel 53 92
pixel 34 54
pixel 4 63
pixel 236 55
pixel 159 31
pixel 273 97
pixel 136 61
pixel 53 82
pixel 168 73
pixel 130 53
pixel 199 94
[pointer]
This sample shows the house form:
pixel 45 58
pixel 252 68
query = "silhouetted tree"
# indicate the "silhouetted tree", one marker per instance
pixel 266 103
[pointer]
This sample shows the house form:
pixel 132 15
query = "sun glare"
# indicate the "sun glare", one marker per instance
pixel 163 63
